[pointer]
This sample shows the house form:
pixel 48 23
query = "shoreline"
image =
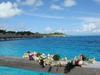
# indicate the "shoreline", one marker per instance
pixel 24 38
pixel 13 35
pixel 12 39
pixel 21 63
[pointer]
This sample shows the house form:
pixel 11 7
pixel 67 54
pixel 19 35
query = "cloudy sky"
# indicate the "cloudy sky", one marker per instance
pixel 73 17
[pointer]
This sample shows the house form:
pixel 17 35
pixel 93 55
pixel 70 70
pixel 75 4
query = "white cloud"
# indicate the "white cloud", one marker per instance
pixel 92 24
pixel 92 27
pixel 30 2
pixel 88 27
pixel 89 19
pixel 98 1
pixel 61 30
pixel 66 3
pixel 8 9
pixel 39 3
pixel 2 27
pixel 69 3
pixel 56 7
pixel 48 29
pixel 52 30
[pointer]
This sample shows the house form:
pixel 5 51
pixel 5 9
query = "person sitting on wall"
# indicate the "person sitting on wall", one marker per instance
pixel 82 57
pixel 80 61
pixel 69 66
pixel 30 55
pixel 26 55
pixel 42 63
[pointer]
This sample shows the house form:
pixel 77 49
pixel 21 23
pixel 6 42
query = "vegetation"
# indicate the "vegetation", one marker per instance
pixel 38 54
pixel 11 35
pixel 3 31
pixel 24 32
pixel 11 32
pixel 56 33
pixel 56 57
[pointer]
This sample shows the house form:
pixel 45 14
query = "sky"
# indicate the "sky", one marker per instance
pixel 73 17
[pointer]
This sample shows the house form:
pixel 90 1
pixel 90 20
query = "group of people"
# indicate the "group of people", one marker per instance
pixel 82 60
pixel 44 60
pixel 41 58
pixel 33 55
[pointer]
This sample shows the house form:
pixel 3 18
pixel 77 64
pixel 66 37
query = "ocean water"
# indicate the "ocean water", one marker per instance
pixel 65 46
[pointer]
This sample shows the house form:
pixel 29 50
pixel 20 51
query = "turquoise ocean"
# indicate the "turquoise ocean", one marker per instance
pixel 65 46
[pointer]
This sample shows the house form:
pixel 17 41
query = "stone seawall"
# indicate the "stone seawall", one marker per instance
pixel 31 65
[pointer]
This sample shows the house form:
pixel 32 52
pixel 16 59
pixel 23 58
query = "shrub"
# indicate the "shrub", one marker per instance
pixel 38 54
pixel 56 57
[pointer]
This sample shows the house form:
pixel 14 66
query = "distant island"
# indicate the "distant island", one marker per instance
pixel 55 34
pixel 12 35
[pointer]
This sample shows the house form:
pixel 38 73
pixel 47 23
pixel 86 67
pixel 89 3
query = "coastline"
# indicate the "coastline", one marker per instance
pixel 18 37
pixel 25 37
pixel 13 35
pixel 12 39
pixel 21 63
